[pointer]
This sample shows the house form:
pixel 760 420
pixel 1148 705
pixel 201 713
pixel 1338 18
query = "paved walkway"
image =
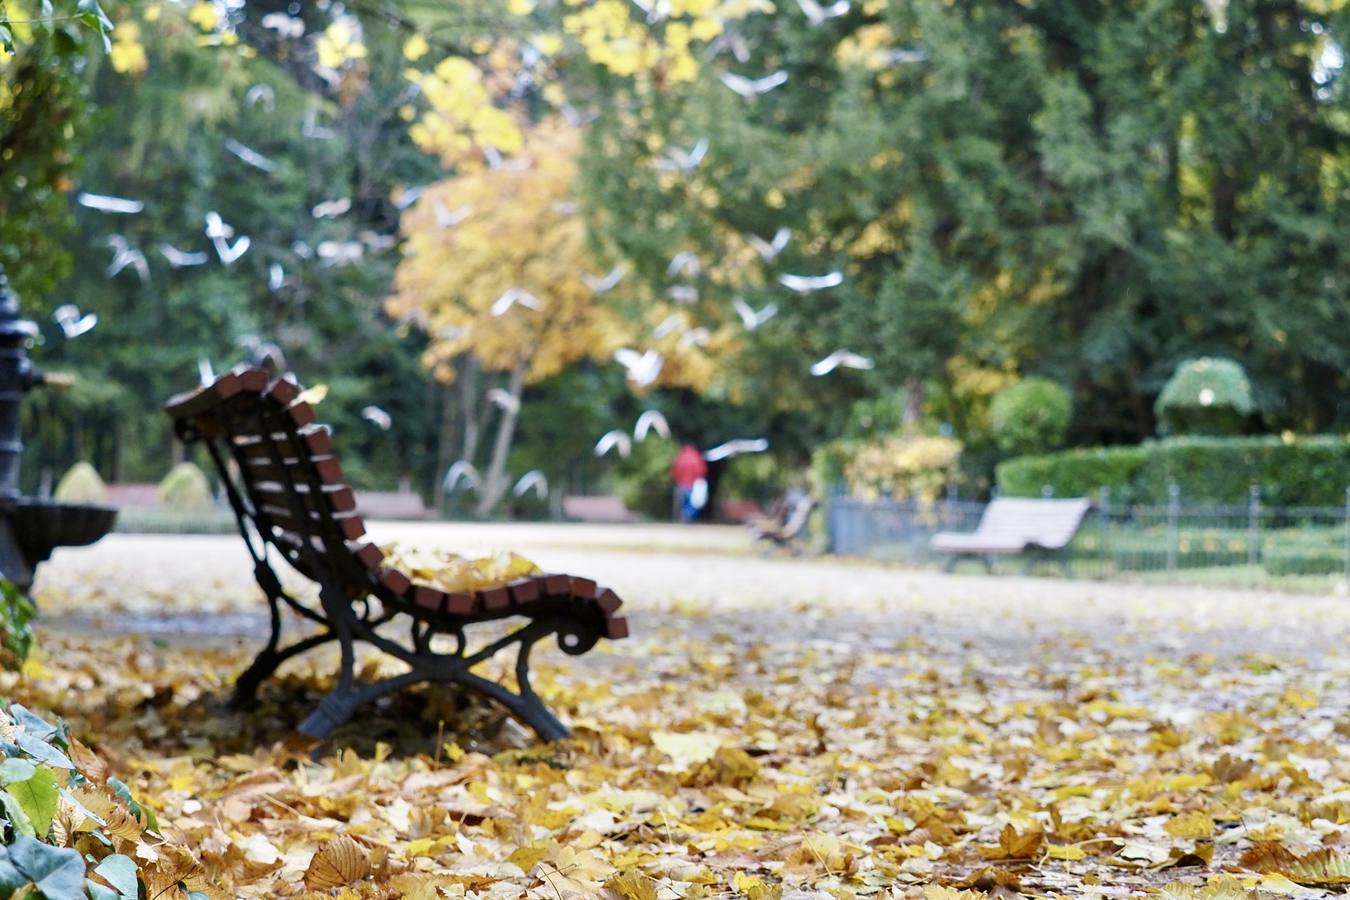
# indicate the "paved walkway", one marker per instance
pixel 707 578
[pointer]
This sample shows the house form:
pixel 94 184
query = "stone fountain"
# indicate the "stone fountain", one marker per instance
pixel 30 527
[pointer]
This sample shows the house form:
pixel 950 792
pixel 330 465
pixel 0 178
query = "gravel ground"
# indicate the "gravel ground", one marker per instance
pixel 709 579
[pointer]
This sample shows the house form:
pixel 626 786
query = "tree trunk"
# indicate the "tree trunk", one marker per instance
pixel 445 444
pixel 494 483
pixel 468 392
pixel 913 401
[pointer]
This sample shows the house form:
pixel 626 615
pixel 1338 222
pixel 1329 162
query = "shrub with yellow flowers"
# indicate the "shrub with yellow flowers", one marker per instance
pixel 903 466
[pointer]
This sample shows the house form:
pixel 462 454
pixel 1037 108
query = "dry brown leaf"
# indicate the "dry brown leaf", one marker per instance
pixel 340 862
pixel 1328 867
pixel 1014 845
pixel 632 886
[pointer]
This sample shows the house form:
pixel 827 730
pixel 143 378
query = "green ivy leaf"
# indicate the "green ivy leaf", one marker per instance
pixel 44 752
pixel 120 872
pixel 12 770
pixel 18 819
pixel 38 796
pixel 57 872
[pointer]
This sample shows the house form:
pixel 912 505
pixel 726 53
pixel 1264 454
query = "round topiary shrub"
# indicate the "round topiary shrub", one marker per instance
pixel 1031 416
pixel 81 484
pixel 1210 395
pixel 185 489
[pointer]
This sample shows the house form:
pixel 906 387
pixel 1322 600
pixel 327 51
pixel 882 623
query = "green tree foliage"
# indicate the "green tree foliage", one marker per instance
pixel 1205 396
pixel 1089 191
pixel 1031 416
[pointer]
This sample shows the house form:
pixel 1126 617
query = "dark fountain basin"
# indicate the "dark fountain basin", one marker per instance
pixel 43 525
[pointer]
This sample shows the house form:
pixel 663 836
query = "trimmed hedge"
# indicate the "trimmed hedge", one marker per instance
pixel 1306 471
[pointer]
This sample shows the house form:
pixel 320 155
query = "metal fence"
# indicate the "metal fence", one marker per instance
pixel 1304 548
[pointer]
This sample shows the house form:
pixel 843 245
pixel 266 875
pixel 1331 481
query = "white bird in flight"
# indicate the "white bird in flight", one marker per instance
pixel 695 337
pixel 406 197
pixel 750 88
pixel 612 439
pixel 769 249
pixel 504 399
pixel 249 156
pixel 125 255
pixel 608 282
pixel 285 26
pixel 651 420
pixel 532 479
pixel 205 373
pixel 341 253
pixel 841 359
pixel 495 160
pixel 261 93
pixel 331 209
pixel 668 326
pixel 180 259
pixel 72 323
pixel 448 218
pixel 460 470
pixel 751 318
pixel 310 127
pixel 643 368
pixel 229 253
pixel 104 203
pixel 514 296
pixel 683 293
pixel 816 14
pixel 276 277
pixel 684 263
pixel 805 284
pixel 377 417
pixel 677 160
pixel 736 447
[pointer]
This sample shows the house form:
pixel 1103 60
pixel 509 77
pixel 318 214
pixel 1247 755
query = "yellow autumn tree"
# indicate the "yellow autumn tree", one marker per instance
pixel 492 272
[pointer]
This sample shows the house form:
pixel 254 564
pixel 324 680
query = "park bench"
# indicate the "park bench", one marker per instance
pixel 1013 525
pixel 288 493
pixel 786 527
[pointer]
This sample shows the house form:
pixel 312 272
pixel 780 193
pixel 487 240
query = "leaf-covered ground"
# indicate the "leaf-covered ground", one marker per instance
pixel 774 728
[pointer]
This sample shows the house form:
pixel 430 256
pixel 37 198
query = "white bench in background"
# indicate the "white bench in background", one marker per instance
pixel 1013 526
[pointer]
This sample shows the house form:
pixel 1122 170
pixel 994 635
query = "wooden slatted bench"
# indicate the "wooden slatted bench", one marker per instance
pixel 286 487
pixel 1015 525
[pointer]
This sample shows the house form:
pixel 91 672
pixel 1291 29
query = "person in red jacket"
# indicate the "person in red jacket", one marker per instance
pixel 690 474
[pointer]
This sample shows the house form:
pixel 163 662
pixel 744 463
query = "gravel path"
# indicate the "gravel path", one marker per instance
pixel 709 579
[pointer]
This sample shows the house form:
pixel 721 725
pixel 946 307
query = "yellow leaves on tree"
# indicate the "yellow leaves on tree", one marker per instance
pixel 460 114
pixel 127 55
pixel 340 43
pixel 512 232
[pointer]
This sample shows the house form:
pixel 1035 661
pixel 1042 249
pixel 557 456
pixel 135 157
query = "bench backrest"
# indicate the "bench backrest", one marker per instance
pixel 282 474
pixel 1046 523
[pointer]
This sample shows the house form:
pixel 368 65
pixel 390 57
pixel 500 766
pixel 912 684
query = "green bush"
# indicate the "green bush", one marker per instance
pixel 185 489
pixel 1205 396
pixel 643 480
pixel 16 632
pixel 1031 416
pixel 1307 471
pixel 81 484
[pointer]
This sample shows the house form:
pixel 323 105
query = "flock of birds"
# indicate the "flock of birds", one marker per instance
pixel 642 368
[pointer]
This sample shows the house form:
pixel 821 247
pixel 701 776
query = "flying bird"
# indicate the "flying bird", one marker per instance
pixel 642 368
pixel 312 395
pixel 684 263
pixel 608 282
pixel 656 10
pixel 532 479
pixel 751 318
pixel 331 209
pixel 677 160
pixel 750 88
pixel 612 439
pixel 406 197
pixel 651 420
pixel 229 253
pixel 250 156
pixel 72 323
pixel 460 470
pixel 378 243
pixel 104 203
pixel 341 253
pixel 769 249
pixel 179 259
pixel 816 14
pixel 736 447
pixel 377 417
pixel 695 337
pixel 505 399
pixel 902 55
pixel 286 27
pixel 805 284
pixel 514 296
pixel 495 160
pixel 261 93
pixel 205 373
pixel 841 359
pixel 125 255
pixel 276 277
pixel 310 127
pixel 683 293
pixel 668 326
pixel 736 43
pixel 448 218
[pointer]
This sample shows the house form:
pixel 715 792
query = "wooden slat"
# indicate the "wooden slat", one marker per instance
pixel 395 581
pixel 349 526
pixel 460 603
pixel 525 591
pixel 608 602
pixel 282 392
pixel 204 398
pixel 616 629
pixel 335 498
pixel 556 585
pixel 252 379
pixel 314 441
pixel 367 554
pixel 495 599
pixel 581 588
pixel 302 414
pixel 426 597
pixel 259 467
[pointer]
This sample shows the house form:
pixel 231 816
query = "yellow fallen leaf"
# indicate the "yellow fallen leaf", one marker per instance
pixel 1190 825
pixel 632 886
pixel 1065 851
pixel 686 749
pixel 527 857
pixel 339 862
